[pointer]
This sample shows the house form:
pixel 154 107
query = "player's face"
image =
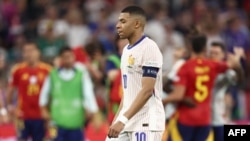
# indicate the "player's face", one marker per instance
pixel 30 53
pixel 125 25
pixel 67 59
pixel 216 53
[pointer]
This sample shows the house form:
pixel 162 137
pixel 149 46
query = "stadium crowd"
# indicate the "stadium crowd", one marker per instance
pixel 88 27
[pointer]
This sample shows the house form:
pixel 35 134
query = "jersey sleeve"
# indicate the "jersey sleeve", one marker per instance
pixel 152 61
pixel 181 77
pixel 220 67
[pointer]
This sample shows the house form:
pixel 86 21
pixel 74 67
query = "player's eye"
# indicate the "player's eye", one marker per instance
pixel 122 21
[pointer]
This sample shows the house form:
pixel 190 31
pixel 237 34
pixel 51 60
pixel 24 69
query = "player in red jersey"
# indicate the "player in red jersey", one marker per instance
pixel 27 78
pixel 195 81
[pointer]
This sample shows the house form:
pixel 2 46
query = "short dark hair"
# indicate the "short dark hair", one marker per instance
pixel 134 10
pixel 93 47
pixel 198 43
pixel 219 44
pixel 64 49
pixel 31 42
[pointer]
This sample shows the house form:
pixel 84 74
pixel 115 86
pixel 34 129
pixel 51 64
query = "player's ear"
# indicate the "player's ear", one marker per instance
pixel 137 24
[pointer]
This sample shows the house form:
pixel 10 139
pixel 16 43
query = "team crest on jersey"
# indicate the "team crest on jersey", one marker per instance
pixel 25 76
pixel 41 76
pixel 131 61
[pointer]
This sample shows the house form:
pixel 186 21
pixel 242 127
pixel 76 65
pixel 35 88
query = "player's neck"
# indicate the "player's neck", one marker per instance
pixel 133 39
pixel 201 55
pixel 33 64
pixel 68 67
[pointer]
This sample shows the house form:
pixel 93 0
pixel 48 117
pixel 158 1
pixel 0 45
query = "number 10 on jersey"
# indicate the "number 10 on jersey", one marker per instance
pixel 124 76
pixel 140 136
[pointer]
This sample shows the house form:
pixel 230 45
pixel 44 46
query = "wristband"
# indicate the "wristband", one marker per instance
pixel 123 119
pixel 3 111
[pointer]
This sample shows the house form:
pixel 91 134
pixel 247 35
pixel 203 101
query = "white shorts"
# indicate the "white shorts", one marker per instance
pixel 138 136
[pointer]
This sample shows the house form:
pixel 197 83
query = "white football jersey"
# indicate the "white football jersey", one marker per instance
pixel 151 116
pixel 222 82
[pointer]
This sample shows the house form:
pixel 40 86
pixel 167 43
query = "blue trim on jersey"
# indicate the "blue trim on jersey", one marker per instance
pixel 150 71
pixel 143 37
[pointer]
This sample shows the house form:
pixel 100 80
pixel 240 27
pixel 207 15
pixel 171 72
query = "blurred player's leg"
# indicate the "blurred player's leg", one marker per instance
pixel 23 128
pixel 173 133
pixel 122 137
pixel 186 132
pixel 69 135
pixel 201 133
pixel 37 129
pixel 218 133
pixel 75 135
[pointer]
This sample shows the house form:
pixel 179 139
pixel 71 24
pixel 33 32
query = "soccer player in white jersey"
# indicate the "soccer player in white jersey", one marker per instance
pixel 222 83
pixel 141 114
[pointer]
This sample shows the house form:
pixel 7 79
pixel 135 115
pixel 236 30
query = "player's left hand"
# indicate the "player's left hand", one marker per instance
pixel 115 129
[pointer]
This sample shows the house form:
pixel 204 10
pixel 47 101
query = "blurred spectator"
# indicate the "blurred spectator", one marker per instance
pixel 3 67
pixel 232 8
pixel 234 35
pixel 199 10
pixel 104 30
pixel 96 53
pixel 3 83
pixel 78 33
pixel 50 44
pixel 8 10
pixel 72 87
pixel 209 26
pixel 97 71
pixel 52 19
pixel 15 52
pixel 172 42
pixel 15 29
pixel 155 28
pixel 94 7
pixel 184 21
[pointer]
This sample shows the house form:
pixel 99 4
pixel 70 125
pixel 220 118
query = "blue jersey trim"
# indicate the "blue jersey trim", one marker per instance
pixel 143 37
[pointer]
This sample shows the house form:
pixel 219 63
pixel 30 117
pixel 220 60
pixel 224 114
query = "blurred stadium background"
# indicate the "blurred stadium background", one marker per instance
pixel 88 27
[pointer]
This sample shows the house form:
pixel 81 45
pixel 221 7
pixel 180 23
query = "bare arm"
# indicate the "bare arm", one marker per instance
pixel 176 96
pixel 112 74
pixel 145 93
pixel 10 94
pixel 44 99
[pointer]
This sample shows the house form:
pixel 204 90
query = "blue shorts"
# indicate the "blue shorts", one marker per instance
pixel 69 134
pixel 191 133
pixel 218 133
pixel 34 129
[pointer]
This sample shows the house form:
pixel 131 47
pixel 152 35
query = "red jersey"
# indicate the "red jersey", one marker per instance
pixel 198 76
pixel 28 82
pixel 81 55
pixel 116 89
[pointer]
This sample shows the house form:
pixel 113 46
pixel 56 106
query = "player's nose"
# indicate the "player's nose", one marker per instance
pixel 118 25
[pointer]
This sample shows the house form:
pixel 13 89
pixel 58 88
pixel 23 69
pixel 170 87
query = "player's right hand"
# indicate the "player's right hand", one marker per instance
pixel 4 116
pixel 188 102
pixel 45 114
